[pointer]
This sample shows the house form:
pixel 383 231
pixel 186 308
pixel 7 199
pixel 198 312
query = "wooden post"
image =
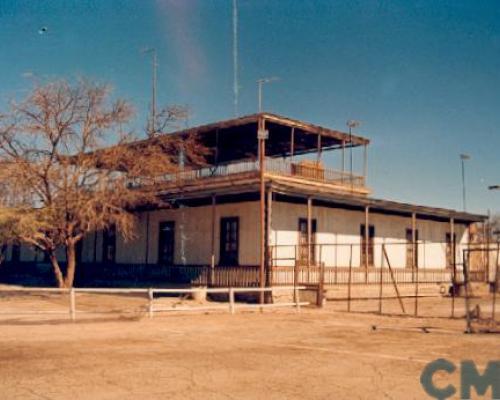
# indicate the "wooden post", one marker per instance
pixel 367 237
pixel 231 301
pixel 72 304
pixel 343 160
pixel 292 143
pixel 150 302
pixel 393 280
pixel 495 284
pixel 309 232
pixel 349 279
pixel 212 257
pixel 414 257
pixel 381 280
pixel 365 162
pixel 318 150
pixel 453 266
pixel 269 261
pixel 296 292
pixel 262 156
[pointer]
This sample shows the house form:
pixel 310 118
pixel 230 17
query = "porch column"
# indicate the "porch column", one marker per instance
pixel 414 259
pixel 343 156
pixel 454 267
pixel 292 143
pixel 309 230
pixel 212 247
pixel 261 137
pixel 365 162
pixel 318 149
pixel 413 241
pixel 212 243
pixel 367 237
pixel 269 258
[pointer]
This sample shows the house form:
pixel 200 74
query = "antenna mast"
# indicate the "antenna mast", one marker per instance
pixel 235 57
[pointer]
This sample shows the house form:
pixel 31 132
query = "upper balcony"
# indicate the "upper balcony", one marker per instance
pixel 275 169
pixel 293 151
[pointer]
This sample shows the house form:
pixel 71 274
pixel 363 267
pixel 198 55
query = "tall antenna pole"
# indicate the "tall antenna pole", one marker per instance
pixel 463 158
pixel 235 56
pixel 154 60
pixel 153 94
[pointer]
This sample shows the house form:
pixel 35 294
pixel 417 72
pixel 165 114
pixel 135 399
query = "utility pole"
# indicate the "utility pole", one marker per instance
pixel 236 88
pixel 260 83
pixel 154 58
pixel 463 158
pixel 351 124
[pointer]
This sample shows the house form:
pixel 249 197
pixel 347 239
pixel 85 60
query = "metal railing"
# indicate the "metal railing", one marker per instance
pixel 276 166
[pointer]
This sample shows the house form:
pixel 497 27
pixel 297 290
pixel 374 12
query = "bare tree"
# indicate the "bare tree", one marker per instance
pixel 77 170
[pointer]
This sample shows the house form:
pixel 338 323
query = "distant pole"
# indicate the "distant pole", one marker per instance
pixel 152 51
pixel 351 124
pixel 260 83
pixel 235 57
pixel 463 158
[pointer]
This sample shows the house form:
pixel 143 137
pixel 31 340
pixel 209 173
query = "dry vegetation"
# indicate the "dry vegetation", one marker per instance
pixel 68 163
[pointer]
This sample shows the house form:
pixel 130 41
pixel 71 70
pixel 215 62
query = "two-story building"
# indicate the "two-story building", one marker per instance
pixel 269 205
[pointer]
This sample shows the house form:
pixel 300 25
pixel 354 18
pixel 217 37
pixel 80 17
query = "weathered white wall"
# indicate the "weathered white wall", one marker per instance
pixel 193 230
pixel 337 231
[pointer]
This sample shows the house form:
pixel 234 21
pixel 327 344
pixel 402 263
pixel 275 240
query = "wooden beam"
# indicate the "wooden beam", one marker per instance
pixel 262 157
pixel 367 236
pixel 269 258
pixel 309 231
pixel 414 258
pixel 212 245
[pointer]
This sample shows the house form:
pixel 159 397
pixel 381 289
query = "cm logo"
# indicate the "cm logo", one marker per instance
pixel 469 377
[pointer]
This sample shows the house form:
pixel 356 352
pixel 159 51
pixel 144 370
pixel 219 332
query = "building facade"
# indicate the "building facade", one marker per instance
pixel 267 202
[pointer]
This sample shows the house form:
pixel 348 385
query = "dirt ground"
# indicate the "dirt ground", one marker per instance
pixel 315 354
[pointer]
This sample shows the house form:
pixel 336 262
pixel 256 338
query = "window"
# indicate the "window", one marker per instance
pixel 166 243
pixel 229 240
pixel 367 246
pixel 409 248
pixel 449 249
pixel 302 256
pixel 109 245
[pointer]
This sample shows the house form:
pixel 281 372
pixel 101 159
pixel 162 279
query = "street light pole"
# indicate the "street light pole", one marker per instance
pixel 351 124
pixel 463 158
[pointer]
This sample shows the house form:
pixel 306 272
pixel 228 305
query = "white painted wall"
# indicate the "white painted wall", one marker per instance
pixel 337 230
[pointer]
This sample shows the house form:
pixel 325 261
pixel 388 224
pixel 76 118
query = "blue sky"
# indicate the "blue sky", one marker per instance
pixel 422 76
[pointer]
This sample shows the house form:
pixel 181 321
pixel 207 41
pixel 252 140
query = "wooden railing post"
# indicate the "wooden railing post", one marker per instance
pixel 150 302
pixel 72 304
pixel 231 301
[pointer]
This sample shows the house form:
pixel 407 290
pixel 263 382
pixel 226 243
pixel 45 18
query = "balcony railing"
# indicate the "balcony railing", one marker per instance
pixel 275 166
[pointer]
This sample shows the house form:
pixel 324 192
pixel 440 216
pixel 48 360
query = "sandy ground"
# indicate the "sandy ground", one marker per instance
pixel 314 354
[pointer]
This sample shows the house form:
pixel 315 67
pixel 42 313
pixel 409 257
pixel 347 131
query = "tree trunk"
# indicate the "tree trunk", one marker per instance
pixel 57 270
pixel 71 264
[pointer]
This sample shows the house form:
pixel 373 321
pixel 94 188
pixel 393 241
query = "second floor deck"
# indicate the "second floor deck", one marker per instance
pixel 305 173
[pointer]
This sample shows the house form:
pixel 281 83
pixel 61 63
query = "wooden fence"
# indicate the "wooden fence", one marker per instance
pixel 150 307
